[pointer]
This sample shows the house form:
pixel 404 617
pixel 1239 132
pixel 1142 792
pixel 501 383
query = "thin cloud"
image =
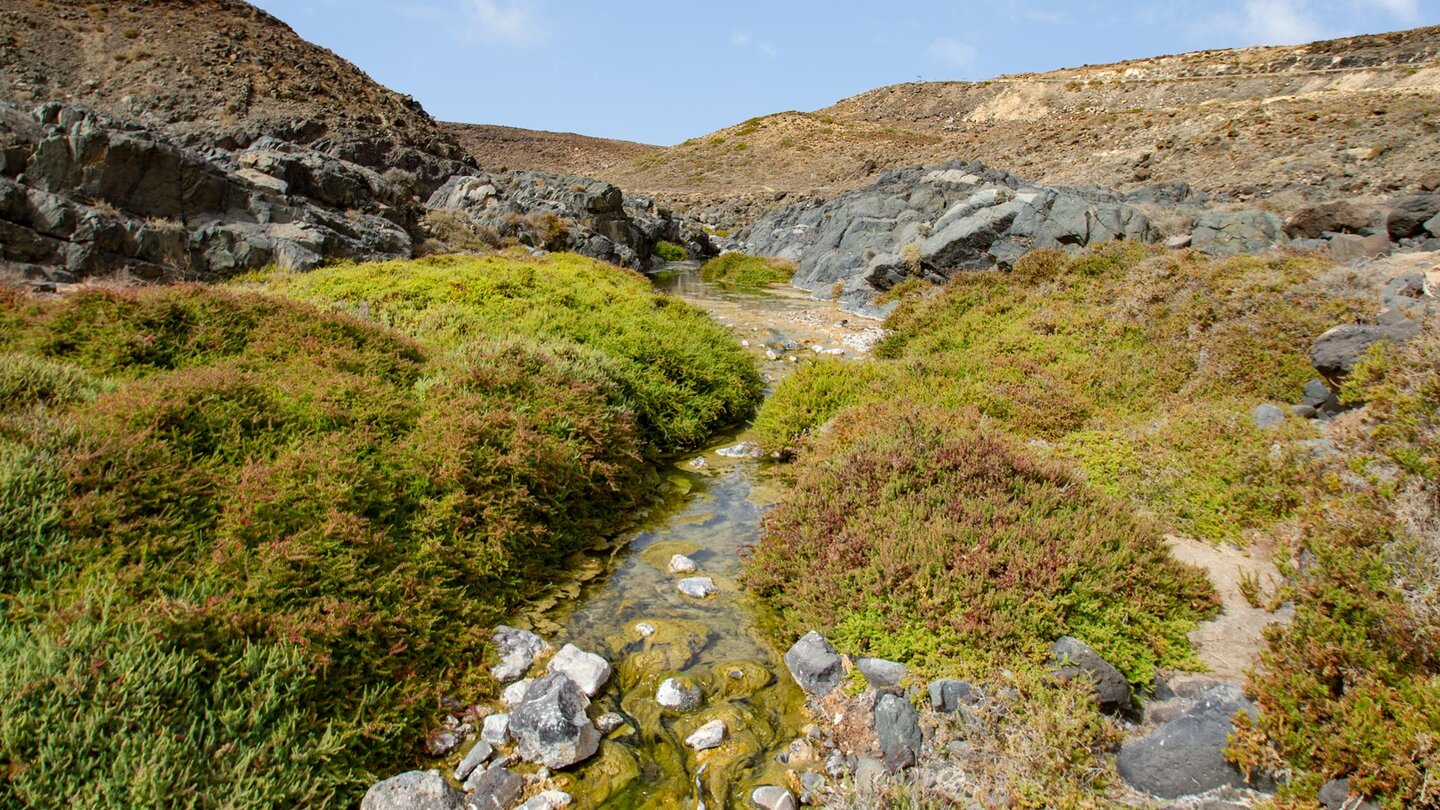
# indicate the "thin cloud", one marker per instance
pixel 744 41
pixel 517 23
pixel 953 53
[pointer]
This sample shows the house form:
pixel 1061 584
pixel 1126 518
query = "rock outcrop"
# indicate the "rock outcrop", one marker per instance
pixel 931 223
pixel 1186 756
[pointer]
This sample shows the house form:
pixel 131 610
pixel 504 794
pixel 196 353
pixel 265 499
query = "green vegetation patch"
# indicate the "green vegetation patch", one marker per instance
pixel 680 372
pixel 926 535
pixel 249 543
pixel 670 252
pixel 741 270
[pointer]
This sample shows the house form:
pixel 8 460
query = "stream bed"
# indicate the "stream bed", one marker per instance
pixel 632 613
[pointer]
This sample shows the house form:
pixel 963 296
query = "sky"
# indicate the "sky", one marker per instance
pixel 661 72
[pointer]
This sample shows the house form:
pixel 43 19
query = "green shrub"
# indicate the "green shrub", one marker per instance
pixel 741 270
pixel 925 535
pixel 681 372
pixel 670 252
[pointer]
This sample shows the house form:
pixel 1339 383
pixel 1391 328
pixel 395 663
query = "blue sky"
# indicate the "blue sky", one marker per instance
pixel 660 72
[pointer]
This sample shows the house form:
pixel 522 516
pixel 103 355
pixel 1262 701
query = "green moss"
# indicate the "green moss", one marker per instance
pixel 741 270
pixel 670 252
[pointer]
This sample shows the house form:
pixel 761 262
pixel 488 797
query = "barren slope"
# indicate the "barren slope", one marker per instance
pixel 499 148
pixel 1357 115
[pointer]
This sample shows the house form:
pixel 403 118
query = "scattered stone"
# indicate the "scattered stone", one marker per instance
pixel 871 776
pixel 697 587
pixel 1179 242
pixel 678 695
pixel 743 450
pixel 772 797
pixel 480 752
pixel 898 727
pixel 588 670
pixel 518 650
pixel 1186 756
pixel 1432 225
pixel 548 800
pixel 1231 233
pixel 948 696
pixel 1304 412
pixel 836 765
pixel 645 629
pixel 441 743
pixel 881 674
pixel 497 727
pixel 1267 416
pixel 1320 448
pixel 1349 248
pixel 1336 795
pixel 815 665
pixel 608 722
pixel 707 736
pixel 680 564
pixel 415 790
pixel 1336 352
pixel 812 787
pixel 1072 658
pixel 1319 396
pixel 495 788
pixel 515 692
pixel 551 727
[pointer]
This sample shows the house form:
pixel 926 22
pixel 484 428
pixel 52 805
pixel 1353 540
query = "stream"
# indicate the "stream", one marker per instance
pixel 631 612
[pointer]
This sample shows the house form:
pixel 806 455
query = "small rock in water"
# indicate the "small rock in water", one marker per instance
pixel 749 450
pixel 608 722
pixel 645 629
pixel 588 670
pixel 478 754
pixel 415 790
pixel 678 695
pixel 698 463
pixel 707 736
pixel 772 355
pixel 698 587
pixel 548 800
pixel 680 564
pixel 518 650
pixel 497 729
pixel 771 797
pixel 515 692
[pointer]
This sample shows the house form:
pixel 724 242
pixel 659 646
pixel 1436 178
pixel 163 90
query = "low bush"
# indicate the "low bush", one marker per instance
pixel 741 270
pixel 669 251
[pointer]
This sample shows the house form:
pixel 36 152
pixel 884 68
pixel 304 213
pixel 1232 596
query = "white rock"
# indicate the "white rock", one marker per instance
pixel 515 692
pixel 588 670
pixel 645 629
pixel 707 736
pixel 771 797
pixel 698 587
pixel 678 695
pixel 548 800
pixel 477 756
pixel 518 650
pixel 608 722
pixel 680 564
pixel 496 730
pixel 749 450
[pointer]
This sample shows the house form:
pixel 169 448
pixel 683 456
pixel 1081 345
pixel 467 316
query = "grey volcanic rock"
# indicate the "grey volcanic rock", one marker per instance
pixel 494 788
pixel 1231 233
pixel 948 696
pixel 555 212
pixel 1336 352
pixel 517 650
pixel 588 670
pixel 881 674
pixel 1340 216
pixel 1186 756
pixel 82 195
pixel 1072 658
pixel 1267 416
pixel 815 665
pixel 550 726
pixel 415 790
pixel 1349 248
pixel 1408 215
pixel 898 727
pixel 931 222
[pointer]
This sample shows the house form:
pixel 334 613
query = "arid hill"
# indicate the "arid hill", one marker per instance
pixel 497 147
pixel 1357 116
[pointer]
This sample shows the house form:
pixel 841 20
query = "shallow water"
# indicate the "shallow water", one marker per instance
pixel 719 643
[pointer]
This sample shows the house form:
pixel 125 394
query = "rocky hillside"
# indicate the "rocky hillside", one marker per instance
pixel 1356 116
pixel 213 73
pixel 537 150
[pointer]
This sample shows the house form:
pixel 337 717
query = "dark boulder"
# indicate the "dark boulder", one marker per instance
pixel 1071 658
pixel 898 727
pixel 1408 215
pixel 1340 216
pixel 1186 756
pixel 815 665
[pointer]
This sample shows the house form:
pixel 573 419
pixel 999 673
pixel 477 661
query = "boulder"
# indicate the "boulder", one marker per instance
pixel 1267 416
pixel 588 670
pixel 1349 248
pixel 1071 658
pixel 550 727
pixel 1432 226
pixel 1231 233
pixel 517 650
pixel 1319 396
pixel 1408 215
pixel 1335 353
pixel 1186 756
pixel 948 695
pixel 415 790
pixel 494 788
pixel 772 797
pixel 815 665
pixel 898 727
pixel 881 674
pixel 1340 216
pixel 708 736
pixel 678 694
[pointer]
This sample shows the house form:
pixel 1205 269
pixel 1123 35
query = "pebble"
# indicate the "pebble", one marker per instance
pixel 548 800
pixel 678 695
pixel 478 754
pixel 645 629
pixel 698 587
pixel 707 736
pixel 680 564
pixel 608 722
